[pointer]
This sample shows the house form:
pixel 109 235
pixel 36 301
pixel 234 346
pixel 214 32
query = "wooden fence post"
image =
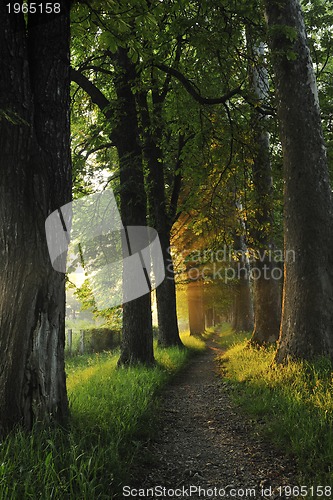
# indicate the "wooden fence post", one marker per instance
pixel 82 341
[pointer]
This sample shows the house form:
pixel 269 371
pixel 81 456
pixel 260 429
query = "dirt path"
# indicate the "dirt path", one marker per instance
pixel 204 442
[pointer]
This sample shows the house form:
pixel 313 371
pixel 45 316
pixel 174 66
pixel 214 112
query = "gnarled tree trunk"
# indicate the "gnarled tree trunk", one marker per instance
pixel 35 180
pixel 307 313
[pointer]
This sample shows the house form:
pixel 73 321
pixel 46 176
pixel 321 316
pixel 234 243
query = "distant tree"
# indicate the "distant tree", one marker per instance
pixel 137 337
pixel 195 301
pixel 35 180
pixel 122 120
pixel 162 211
pixel 242 319
pixel 306 329
pixel 266 288
pixel 149 94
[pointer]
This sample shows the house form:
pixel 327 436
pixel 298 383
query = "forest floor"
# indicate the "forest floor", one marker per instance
pixel 205 447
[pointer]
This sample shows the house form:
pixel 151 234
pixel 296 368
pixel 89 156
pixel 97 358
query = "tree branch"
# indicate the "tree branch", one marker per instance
pixel 94 93
pixel 106 145
pixel 166 85
pixel 193 92
pixel 98 69
pixel 173 215
pixel 263 109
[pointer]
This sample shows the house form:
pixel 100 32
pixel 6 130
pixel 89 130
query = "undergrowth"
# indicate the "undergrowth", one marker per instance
pixel 111 413
pixel 294 401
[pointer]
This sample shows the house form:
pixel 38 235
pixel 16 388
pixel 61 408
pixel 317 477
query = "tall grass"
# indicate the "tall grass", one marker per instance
pixel 294 401
pixel 112 411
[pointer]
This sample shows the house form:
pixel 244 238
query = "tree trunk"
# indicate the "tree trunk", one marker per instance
pixel 35 180
pixel 306 328
pixel 242 319
pixel 209 317
pixel 168 332
pixel 137 337
pixel 196 313
pixel 267 303
pixel 266 289
pixel 243 306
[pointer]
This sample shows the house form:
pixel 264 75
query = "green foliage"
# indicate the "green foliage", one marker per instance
pixel 284 31
pixel 112 411
pixel 206 42
pixel 111 317
pixel 293 401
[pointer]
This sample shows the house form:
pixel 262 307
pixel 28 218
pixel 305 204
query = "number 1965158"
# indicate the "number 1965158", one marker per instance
pixel 33 8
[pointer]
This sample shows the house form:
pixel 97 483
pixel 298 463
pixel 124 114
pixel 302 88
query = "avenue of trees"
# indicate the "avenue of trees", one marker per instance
pixel 212 123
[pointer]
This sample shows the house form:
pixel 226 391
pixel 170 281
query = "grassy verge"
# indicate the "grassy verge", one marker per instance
pixel 111 413
pixel 295 403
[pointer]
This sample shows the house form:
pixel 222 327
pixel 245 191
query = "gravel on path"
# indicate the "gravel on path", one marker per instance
pixel 205 448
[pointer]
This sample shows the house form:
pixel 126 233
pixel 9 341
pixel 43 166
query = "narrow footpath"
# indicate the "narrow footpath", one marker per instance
pixel 205 447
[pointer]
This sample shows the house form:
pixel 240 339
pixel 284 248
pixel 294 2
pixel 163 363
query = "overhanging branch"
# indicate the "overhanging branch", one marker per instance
pixel 193 92
pixel 94 93
pixel 210 101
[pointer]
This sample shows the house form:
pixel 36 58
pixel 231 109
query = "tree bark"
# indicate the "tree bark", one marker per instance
pixel 35 180
pixel 266 288
pixel 137 336
pixel 306 328
pixel 137 332
pixel 242 319
pixel 168 332
pixel 209 316
pixel 196 312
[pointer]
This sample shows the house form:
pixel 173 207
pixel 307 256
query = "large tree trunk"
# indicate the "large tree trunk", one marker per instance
pixel 35 180
pixel 168 332
pixel 137 338
pixel 306 329
pixel 266 288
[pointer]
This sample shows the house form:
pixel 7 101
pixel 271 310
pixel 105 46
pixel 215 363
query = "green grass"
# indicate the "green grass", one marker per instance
pixel 294 401
pixel 112 412
pixel 228 338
